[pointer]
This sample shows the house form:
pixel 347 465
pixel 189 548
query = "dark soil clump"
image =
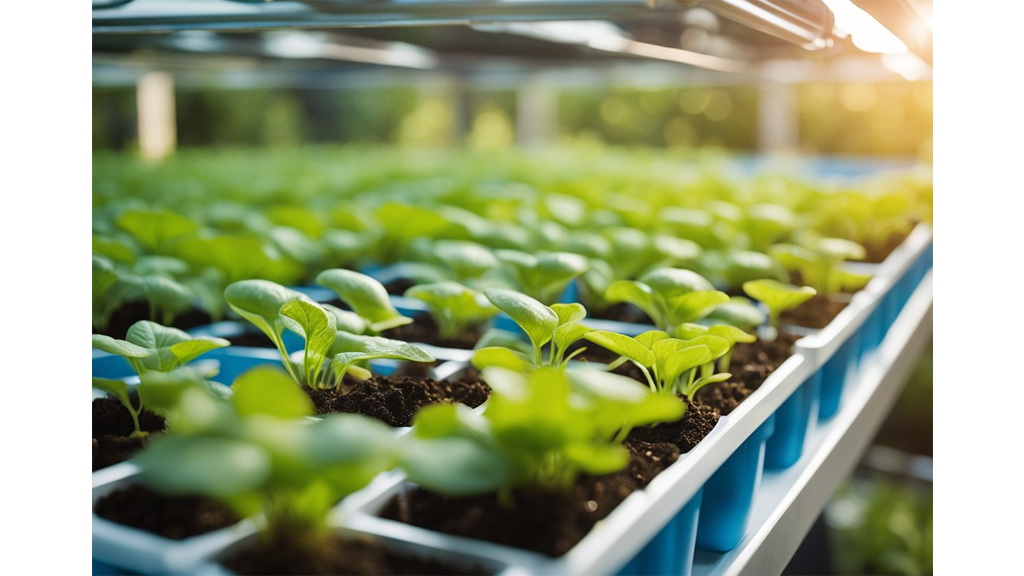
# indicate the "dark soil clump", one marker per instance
pixel 541 521
pixel 332 555
pixel 815 313
pixel 398 287
pixel 697 423
pixel 878 251
pixel 424 330
pixel 395 401
pixel 111 427
pixel 175 517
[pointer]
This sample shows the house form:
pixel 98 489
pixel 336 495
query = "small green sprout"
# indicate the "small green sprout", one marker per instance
pixel 739 312
pixel 819 263
pixel 149 348
pixel 545 276
pixel 257 453
pixel 558 324
pixel 778 297
pixel 730 334
pixel 454 307
pixel 670 296
pixel 367 298
pixel 671 365
pixel 539 429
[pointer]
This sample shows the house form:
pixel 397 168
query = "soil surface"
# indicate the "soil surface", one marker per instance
pixel 174 517
pixel 424 330
pixel 750 366
pixel 395 401
pixel 697 422
pixel 815 313
pixel 111 427
pixel 123 318
pixel 878 251
pixel 621 312
pixel 542 521
pixel 332 555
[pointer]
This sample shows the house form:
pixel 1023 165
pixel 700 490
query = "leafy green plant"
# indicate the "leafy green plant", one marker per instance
pixel 730 334
pixel 328 353
pixel 671 365
pixel 545 276
pixel 149 347
pixel 367 298
pixel 539 429
pixel 104 297
pixel 778 297
pixel 739 312
pixel 670 296
pixel 819 263
pixel 156 230
pixel 257 453
pixel 454 307
pixel 557 325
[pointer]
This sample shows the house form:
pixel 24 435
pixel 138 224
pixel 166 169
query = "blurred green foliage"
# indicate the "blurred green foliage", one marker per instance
pixel 888 118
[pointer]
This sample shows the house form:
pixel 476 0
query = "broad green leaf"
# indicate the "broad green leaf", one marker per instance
pixel 695 305
pixel 116 388
pixel 739 312
pixel 623 346
pixel 168 347
pixel 455 466
pixel 118 347
pixel 114 249
pixel 404 221
pixel 156 230
pixel 237 257
pixel 466 260
pixel 598 459
pixel 651 337
pixel 454 307
pixel 260 302
pixel 317 327
pixel 346 321
pixel 671 282
pixel 537 320
pixel 269 391
pixel 309 222
pixel 607 386
pixel 215 467
pixel 778 297
pixel 569 329
pixel 341 438
pixel 378 347
pixel 366 296
pixel 503 358
pixel 717 346
pixel 163 294
pixel 168 266
pixel 637 294
pixel 495 337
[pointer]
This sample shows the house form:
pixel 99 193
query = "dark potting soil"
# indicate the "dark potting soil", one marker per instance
pixel 878 251
pixel 697 422
pixel 174 517
pixel 750 366
pixel 123 318
pixel 621 312
pixel 332 555
pixel 252 339
pixel 111 427
pixel 424 330
pixel 395 401
pixel 542 521
pixel 398 287
pixel 815 313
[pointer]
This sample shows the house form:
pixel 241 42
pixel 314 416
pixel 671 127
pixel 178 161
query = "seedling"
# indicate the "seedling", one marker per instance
pixel 778 297
pixel 670 296
pixel 366 297
pixel 819 263
pixel 149 348
pixel 730 334
pixel 539 429
pixel 259 454
pixel 670 365
pixel 454 307
pixel 543 277
pixel 739 312
pixel 558 324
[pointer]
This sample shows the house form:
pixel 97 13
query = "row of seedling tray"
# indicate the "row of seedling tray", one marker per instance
pixel 703 500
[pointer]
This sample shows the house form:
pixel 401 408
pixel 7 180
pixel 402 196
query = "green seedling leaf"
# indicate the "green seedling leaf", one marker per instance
pixel 465 260
pixel 216 467
pixel 350 348
pixel 260 302
pixel 346 321
pixel 366 296
pixel 778 297
pixel 169 348
pixel 569 328
pixel 268 391
pixel 454 307
pixel 502 358
pixel 455 466
pixel 543 277
pixel 695 305
pixel 639 295
pixel 739 312
pixel 118 347
pixel 156 230
pixel 165 296
pixel 318 327
pixel 623 346
pixel 537 320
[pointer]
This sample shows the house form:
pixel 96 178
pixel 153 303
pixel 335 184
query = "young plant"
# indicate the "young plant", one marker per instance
pixel 543 277
pixel 258 453
pixel 739 312
pixel 104 298
pixel 730 334
pixel 778 297
pixel 671 365
pixel 366 297
pixel 557 325
pixel 149 348
pixel 670 296
pixel 819 263
pixel 167 298
pixel 454 307
pixel 539 429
